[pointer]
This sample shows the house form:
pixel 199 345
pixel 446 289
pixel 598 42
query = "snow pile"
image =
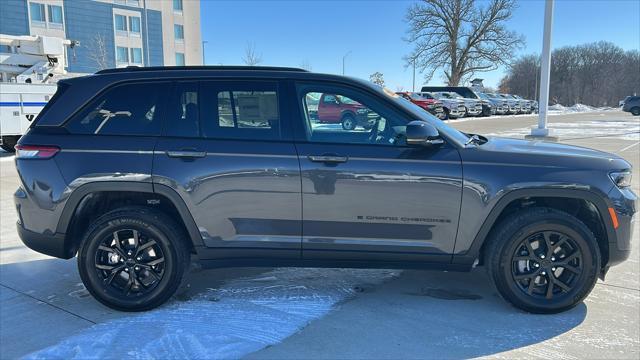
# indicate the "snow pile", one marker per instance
pixel 577 108
pixel 241 317
pixel 623 130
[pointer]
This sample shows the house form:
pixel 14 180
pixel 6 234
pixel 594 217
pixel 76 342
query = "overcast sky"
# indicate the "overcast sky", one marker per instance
pixel 287 33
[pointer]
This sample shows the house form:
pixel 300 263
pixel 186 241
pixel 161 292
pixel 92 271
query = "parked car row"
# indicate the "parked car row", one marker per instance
pixel 460 101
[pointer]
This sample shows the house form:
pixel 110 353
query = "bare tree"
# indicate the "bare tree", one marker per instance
pixel 377 78
pixel 305 64
pixel 596 74
pixel 460 37
pixel 251 57
pixel 98 52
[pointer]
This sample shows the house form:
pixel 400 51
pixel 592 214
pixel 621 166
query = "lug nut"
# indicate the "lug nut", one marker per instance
pixel 126 269
pixel 536 265
pixel 544 273
pixel 138 258
pixel 137 268
pixel 541 256
pixel 553 258
pixel 553 269
pixel 129 252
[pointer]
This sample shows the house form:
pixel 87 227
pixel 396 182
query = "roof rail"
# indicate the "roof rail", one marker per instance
pixel 199 67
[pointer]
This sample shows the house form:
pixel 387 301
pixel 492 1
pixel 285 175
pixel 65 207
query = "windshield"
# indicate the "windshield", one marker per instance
pixel 484 96
pixel 420 114
pixel 417 96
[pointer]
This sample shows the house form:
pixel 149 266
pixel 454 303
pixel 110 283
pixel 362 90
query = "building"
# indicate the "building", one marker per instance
pixel 112 33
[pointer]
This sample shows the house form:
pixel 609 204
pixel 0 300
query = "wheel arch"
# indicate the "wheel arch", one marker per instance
pixel 107 196
pixel 560 199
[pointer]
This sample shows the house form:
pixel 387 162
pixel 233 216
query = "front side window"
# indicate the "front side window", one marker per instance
pixel 55 14
pixel 179 59
pixel 177 5
pixel 136 55
pixel 134 25
pixel 129 109
pixel 121 22
pixel 122 55
pixel 240 112
pixel 346 116
pixel 178 31
pixel 37 13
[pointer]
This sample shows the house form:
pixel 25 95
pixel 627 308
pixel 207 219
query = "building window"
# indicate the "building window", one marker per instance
pixel 121 23
pixel 136 56
pixel 37 14
pixel 177 5
pixel 179 59
pixel 134 25
pixel 178 31
pixel 55 15
pixel 122 55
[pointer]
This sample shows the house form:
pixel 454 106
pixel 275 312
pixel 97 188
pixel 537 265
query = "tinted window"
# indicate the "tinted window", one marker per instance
pixel 353 118
pixel 183 112
pixel 240 112
pixel 130 109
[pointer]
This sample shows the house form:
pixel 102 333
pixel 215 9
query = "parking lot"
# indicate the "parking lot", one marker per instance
pixel 324 313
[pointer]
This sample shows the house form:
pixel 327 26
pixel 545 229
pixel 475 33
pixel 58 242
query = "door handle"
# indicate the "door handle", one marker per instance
pixel 328 158
pixel 186 154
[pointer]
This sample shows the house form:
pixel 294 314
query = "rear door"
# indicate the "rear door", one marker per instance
pixel 227 151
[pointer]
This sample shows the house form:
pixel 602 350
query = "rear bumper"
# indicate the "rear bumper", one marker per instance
pixel 48 244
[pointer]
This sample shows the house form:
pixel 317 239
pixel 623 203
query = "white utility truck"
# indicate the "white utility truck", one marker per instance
pixel 29 66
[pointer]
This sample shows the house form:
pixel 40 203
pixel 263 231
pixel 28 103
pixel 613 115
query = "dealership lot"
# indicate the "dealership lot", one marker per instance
pixel 323 313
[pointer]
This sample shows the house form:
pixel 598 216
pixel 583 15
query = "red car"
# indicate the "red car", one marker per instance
pixel 334 109
pixel 425 101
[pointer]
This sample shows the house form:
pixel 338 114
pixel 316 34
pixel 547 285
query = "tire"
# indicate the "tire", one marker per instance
pixel 9 143
pixel 158 267
pixel 348 122
pixel 635 111
pixel 508 241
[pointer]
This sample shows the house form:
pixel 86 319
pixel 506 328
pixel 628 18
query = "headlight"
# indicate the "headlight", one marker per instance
pixel 362 111
pixel 621 178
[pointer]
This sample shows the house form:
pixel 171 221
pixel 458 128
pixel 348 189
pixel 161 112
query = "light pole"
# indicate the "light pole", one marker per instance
pixel 413 88
pixel 203 61
pixel 542 131
pixel 343 58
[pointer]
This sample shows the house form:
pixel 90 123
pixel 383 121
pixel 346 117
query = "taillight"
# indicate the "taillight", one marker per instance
pixel 35 151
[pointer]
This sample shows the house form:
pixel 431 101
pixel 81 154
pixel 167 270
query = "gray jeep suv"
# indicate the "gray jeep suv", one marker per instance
pixel 139 170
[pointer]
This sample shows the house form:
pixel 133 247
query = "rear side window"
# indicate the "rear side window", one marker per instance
pixel 129 109
pixel 240 111
pixel 183 113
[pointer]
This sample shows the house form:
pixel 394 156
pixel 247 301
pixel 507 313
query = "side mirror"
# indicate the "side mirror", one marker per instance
pixel 421 133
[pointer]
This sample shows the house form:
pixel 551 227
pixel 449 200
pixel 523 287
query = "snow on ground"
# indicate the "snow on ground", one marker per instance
pixel 553 110
pixel 241 317
pixel 623 130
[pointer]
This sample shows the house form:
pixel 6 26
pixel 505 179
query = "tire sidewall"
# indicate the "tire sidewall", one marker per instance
pixel 345 123
pixel 159 232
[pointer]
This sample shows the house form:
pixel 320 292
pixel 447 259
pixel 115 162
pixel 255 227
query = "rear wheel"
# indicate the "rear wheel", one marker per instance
pixel 133 259
pixel 635 111
pixel 348 122
pixel 9 143
pixel 543 260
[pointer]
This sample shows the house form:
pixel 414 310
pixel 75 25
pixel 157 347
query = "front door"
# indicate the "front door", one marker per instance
pixel 366 194
pixel 228 153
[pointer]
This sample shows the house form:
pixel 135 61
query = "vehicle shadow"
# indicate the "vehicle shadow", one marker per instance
pixel 232 313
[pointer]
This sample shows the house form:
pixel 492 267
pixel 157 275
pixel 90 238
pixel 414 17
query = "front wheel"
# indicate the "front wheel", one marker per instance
pixel 133 259
pixel 635 111
pixel 543 260
pixel 348 122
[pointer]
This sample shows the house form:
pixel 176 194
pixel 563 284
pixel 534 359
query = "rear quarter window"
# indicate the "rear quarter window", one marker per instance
pixel 126 109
